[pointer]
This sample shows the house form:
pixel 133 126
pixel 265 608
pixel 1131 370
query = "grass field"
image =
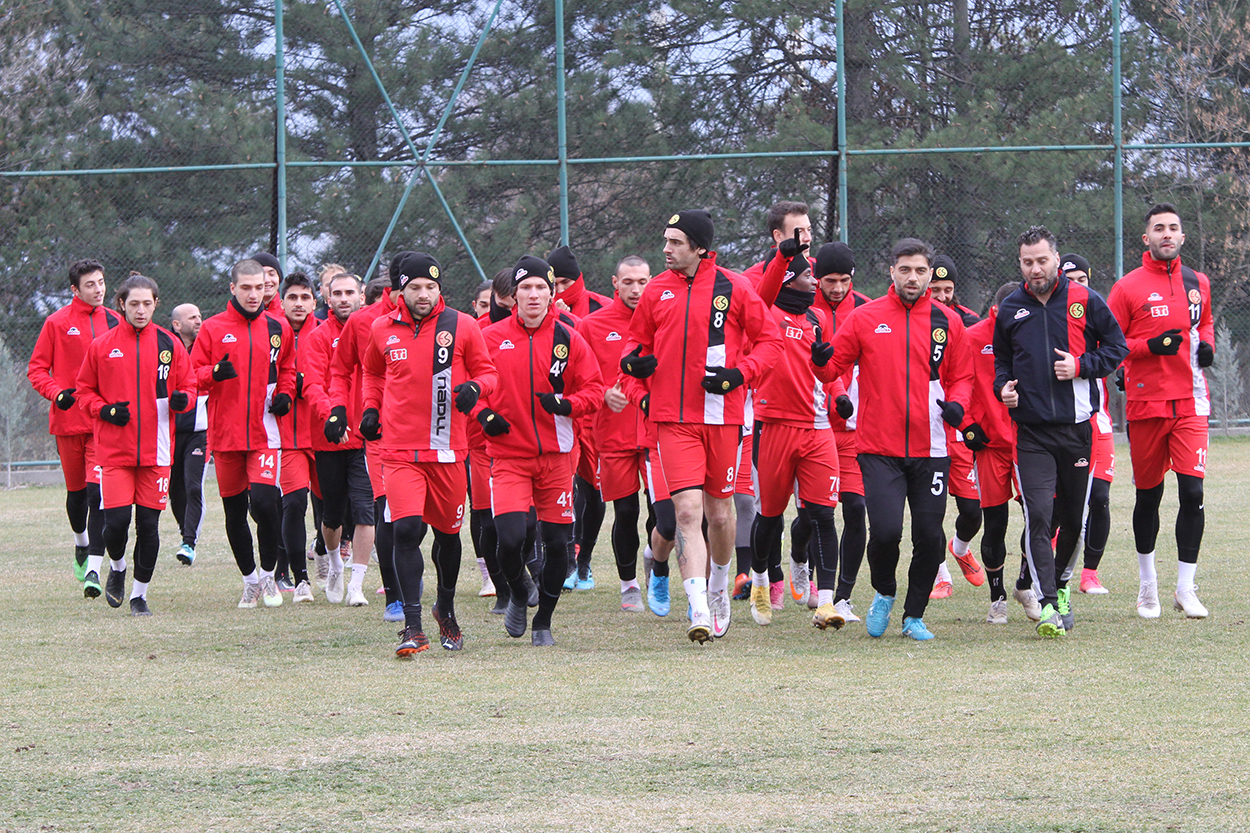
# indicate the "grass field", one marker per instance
pixel 205 717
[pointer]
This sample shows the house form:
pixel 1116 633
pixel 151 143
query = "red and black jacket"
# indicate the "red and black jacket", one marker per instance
pixel 300 424
pixel 58 355
pixel 985 409
pixel 345 383
pixel 582 301
pixel 606 331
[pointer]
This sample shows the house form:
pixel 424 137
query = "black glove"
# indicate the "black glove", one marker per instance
pixel 118 413
pixel 822 352
pixel 952 413
pixel 178 400
pixel 371 425
pixel 644 405
pixel 280 405
pixel 721 380
pixel 844 407
pixel 492 423
pixel 65 399
pixel 1119 378
pixel 975 437
pixel 554 404
pixel 1206 354
pixel 638 365
pixel 466 396
pixel 336 424
pixel 224 370
pixel 1167 343
pixel 793 250
pixel 299 385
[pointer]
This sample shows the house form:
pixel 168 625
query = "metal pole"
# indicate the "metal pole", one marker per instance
pixel 280 143
pixel 562 149
pixel 841 70
pixel 1117 138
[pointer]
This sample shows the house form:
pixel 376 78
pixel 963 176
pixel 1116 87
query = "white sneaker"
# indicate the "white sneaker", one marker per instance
pixel 488 587
pixel 269 592
pixel 323 568
pixel 334 587
pixel 800 582
pixel 303 593
pixel 998 613
pixel 356 597
pixel 1148 600
pixel 718 606
pixel 251 595
pixel 1187 602
pixel 1028 601
pixel 847 610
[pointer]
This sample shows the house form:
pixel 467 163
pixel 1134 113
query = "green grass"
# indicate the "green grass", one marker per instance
pixel 205 717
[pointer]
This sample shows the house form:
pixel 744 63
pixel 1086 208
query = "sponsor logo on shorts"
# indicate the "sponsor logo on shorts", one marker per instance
pixel 1081 463
pixel 1155 296
pixel 883 328
pixel 666 295
pixel 267 474
pixel 613 336
pixel 507 344
pixel 393 340
pixel 73 331
pixel 228 338
pixel 1160 311
pixel 1022 313
pixel 1195 297
pixel 116 354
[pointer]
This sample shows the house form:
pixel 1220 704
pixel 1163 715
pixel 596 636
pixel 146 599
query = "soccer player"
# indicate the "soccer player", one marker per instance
pixel 272 300
pixel 325 273
pixel 53 371
pixel 1102 463
pixel 548 378
pixel 422 359
pixel 132 379
pixel 699 321
pixel 481 300
pixel 244 359
pixel 190 462
pixel 1165 310
pixel 914 374
pixel 1051 338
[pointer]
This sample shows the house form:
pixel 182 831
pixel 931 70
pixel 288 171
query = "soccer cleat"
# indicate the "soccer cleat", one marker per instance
pixel 570 581
pixel 269 592
pixel 186 554
pixel 761 605
pixel 356 597
pixel 700 629
pixel 1051 624
pixel 502 595
pixel 1028 600
pixel 334 587
pixel 941 590
pixel 411 641
pixel 515 618
pixel 394 612
pixel 742 587
pixel 879 614
pixel 969 565
pixel 998 613
pixel 91 585
pixel 914 628
pixel 488 587
pixel 303 593
pixel 139 607
pixel 631 600
pixel 844 607
pixel 115 588
pixel 1064 607
pixel 251 595
pixel 80 563
pixel 1148 600
pixel 813 596
pixel 1091 585
pixel 586 581
pixel 800 582
pixel 657 595
pixel 531 588
pixel 542 639
pixel 1187 602
pixel 777 594
pixel 449 635
pixel 718 606
pixel 322 560
pixel 285 585
pixel 828 616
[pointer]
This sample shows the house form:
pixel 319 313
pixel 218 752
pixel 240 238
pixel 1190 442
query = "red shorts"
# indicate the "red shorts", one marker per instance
pixel 479 478
pixel 299 471
pixel 435 491
pixel 236 470
pixel 77 453
pixel 546 483
pixel 996 473
pixel 1154 445
pixel 621 472
pixel 790 457
pixel 745 482
pixel 963 476
pixel 588 457
pixel 850 478
pixel 697 456
pixel 373 463
pixel 146 486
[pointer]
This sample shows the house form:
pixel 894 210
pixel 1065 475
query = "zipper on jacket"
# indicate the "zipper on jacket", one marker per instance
pixel 907 395
pixel 1050 387
pixel 247 431
pixel 533 412
pixel 685 333
pixel 138 399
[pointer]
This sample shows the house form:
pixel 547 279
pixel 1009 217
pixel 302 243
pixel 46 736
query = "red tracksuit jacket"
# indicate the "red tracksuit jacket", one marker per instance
pixel 321 347
pixel 606 331
pixel 550 359
pixel 410 371
pixel 141 368
pixel 297 427
pixel 1157 297
pixel 985 408
pixel 909 357
pixel 58 355
pixel 850 379
pixel 714 319
pixel 261 351
pixel 582 301
pixel 345 383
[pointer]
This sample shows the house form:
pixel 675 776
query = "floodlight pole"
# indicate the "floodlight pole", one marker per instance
pixel 280 129
pixel 1118 138
pixel 562 147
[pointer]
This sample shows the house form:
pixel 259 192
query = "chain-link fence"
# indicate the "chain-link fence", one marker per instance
pixel 146 134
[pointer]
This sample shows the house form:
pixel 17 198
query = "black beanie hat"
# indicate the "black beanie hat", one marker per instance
pixel 944 269
pixel 533 267
pixel 564 263
pixel 412 265
pixel 799 265
pixel 1074 263
pixel 835 258
pixel 266 259
pixel 695 223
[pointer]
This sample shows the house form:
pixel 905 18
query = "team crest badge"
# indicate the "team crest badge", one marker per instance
pixel 1195 297
pixel 940 273
pixel 673 220
pixel 166 357
pixel 433 273
pixel 276 341
pixel 562 351
pixel 444 339
pixel 720 302
pixel 1076 309
pixel 939 335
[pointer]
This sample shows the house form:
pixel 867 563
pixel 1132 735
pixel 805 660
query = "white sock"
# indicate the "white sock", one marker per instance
pixel 633 582
pixel 481 565
pixel 358 575
pixel 336 561
pixel 140 590
pixel 960 548
pixel 759 579
pixel 718 582
pixel 696 594
pixel 93 563
pixel 1185 575
pixel 824 597
pixel 647 555
pixel 944 574
pixel 264 574
pixel 118 566
pixel 252 577
pixel 80 539
pixel 1146 566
